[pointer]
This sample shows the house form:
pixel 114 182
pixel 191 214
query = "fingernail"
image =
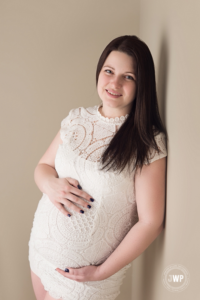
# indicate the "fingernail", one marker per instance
pixel 69 215
pixel 88 206
pixel 91 199
pixel 66 270
pixel 81 211
pixel 80 188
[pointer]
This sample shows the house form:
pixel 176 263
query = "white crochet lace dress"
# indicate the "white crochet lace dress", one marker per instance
pixel 89 238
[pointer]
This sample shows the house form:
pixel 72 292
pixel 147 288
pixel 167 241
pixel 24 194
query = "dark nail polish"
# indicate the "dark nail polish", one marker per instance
pixel 66 270
pixel 69 215
pixel 91 199
pixel 89 206
pixel 81 211
pixel 80 188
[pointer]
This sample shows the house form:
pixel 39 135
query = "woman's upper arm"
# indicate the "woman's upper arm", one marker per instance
pixel 50 154
pixel 150 192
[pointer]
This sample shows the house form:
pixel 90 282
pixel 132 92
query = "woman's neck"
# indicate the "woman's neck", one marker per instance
pixel 111 113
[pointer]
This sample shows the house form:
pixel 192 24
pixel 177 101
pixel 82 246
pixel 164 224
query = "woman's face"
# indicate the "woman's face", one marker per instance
pixel 118 76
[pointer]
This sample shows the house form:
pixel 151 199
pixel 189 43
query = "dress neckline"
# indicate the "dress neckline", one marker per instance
pixel 116 120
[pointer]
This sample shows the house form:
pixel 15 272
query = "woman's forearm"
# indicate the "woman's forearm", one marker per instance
pixel 42 175
pixel 135 242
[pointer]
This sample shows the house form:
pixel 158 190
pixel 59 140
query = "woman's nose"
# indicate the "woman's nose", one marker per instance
pixel 116 81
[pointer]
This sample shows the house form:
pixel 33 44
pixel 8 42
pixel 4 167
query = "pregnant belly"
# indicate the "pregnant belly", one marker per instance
pixel 81 239
pixel 74 241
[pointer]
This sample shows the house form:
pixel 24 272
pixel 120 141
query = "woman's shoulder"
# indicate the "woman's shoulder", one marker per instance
pixel 160 139
pixel 79 112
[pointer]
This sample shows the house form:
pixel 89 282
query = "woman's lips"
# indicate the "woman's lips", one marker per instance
pixel 113 96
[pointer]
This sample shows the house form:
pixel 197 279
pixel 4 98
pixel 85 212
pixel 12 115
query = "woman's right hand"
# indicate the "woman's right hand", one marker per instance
pixel 61 191
pixel 67 191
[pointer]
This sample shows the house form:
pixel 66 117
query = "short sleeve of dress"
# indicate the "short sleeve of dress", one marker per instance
pixel 64 126
pixel 161 143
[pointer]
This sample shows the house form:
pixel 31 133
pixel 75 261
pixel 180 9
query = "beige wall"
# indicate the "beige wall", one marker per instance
pixel 48 57
pixel 171 30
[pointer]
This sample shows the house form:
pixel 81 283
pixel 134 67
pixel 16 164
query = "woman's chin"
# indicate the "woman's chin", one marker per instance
pixel 114 103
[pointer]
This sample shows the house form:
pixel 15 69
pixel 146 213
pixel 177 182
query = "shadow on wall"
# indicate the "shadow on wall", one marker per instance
pixel 163 77
pixel 152 257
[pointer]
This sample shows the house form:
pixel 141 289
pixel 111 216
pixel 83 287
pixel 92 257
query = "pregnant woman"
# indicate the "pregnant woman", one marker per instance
pixel 103 183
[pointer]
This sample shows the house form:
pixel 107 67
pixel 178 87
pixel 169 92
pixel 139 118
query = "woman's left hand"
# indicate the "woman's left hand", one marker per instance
pixel 87 273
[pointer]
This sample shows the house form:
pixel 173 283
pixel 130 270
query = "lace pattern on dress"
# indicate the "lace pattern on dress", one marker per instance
pixel 153 155
pixel 89 238
pixel 88 132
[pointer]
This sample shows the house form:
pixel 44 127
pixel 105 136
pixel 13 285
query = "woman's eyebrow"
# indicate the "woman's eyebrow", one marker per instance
pixel 113 69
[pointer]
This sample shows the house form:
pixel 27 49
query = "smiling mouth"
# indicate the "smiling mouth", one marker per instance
pixel 113 93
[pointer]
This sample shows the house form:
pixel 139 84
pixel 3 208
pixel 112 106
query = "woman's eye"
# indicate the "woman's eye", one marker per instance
pixel 127 76
pixel 130 77
pixel 108 71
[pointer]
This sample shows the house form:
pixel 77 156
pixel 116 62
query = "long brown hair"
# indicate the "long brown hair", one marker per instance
pixel 131 143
